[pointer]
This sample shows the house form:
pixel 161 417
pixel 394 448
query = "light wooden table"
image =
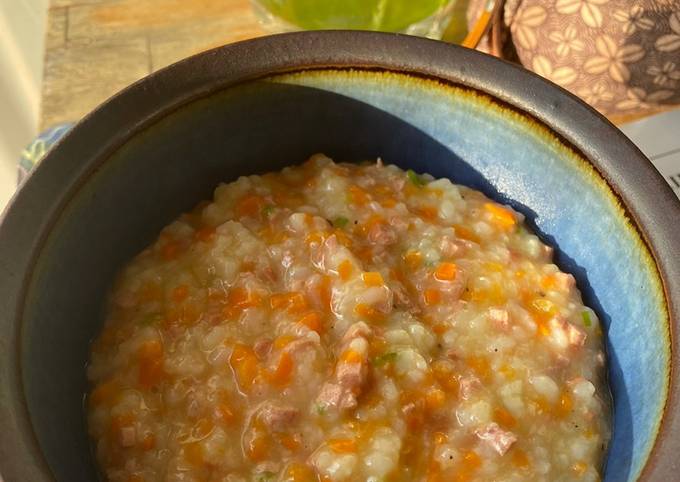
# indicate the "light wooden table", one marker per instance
pixel 94 48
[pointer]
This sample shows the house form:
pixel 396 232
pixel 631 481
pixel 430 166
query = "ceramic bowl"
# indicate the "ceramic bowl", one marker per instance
pixel 163 144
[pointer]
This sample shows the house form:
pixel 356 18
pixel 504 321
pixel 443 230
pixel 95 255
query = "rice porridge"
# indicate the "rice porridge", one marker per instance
pixel 337 322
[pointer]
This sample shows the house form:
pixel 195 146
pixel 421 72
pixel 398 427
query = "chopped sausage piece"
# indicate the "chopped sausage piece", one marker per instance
pixel 351 370
pixel 468 385
pixel 127 436
pixel 382 235
pixel 564 335
pixel 498 439
pixel 277 418
pixel 499 318
pixel 262 348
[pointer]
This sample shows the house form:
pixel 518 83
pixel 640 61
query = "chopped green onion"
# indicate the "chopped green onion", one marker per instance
pixel 384 359
pixel 320 408
pixel 265 476
pixel 586 319
pixel 340 222
pixel 415 178
pixel 267 210
pixel 149 320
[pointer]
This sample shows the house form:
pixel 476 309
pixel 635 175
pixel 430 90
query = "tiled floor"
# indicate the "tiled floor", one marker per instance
pixel 94 48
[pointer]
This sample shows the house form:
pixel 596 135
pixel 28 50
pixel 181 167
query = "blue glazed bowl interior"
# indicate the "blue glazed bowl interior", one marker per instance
pixel 349 115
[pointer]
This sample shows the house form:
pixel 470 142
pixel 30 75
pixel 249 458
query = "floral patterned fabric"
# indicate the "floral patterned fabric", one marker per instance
pixel 620 56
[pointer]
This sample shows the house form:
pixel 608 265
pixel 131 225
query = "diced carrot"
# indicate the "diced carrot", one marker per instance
pixel 358 196
pixel 293 302
pixel 372 278
pixel 284 370
pixel 351 356
pixel 342 445
pixel 291 442
pixel 509 372
pixel 471 460
pixel 106 392
pixel 239 299
pixel 427 212
pixel 543 406
pixel 148 442
pixel 440 328
pixel 248 266
pixel 245 365
pixel 170 251
pixel 279 300
pixel 504 418
pixel 283 341
pixel 519 458
pixel 543 308
pixel 180 293
pixel 316 237
pixel 464 232
pixel 443 373
pixel 493 266
pixel 435 398
pixel 150 357
pixel 388 202
pixel 564 405
pixel 193 453
pixel 225 413
pixel 377 345
pixel 298 472
pixel 243 298
pixel 312 320
pixel 548 282
pixel 342 238
pixel 481 366
pixel 501 216
pixel 257 448
pixel 434 472
pixel 446 271
pixel 205 235
pixel 345 270
pixel 579 468
pixel 368 312
pixel 249 205
pixel 150 292
pixel 413 259
pixel 543 328
pixel 432 296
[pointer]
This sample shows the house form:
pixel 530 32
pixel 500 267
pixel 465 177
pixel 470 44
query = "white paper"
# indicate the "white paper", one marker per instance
pixel 658 137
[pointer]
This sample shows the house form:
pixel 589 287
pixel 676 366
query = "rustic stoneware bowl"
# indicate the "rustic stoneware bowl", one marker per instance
pixel 163 144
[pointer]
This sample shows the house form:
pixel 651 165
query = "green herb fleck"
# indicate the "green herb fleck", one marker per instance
pixel 265 476
pixel 415 178
pixel 267 210
pixel 320 409
pixel 340 222
pixel 150 320
pixel 384 359
pixel 587 322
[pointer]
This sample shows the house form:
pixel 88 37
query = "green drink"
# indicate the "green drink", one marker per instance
pixel 383 15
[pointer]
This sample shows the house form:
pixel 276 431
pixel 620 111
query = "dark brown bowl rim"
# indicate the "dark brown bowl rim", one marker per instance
pixel 649 201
